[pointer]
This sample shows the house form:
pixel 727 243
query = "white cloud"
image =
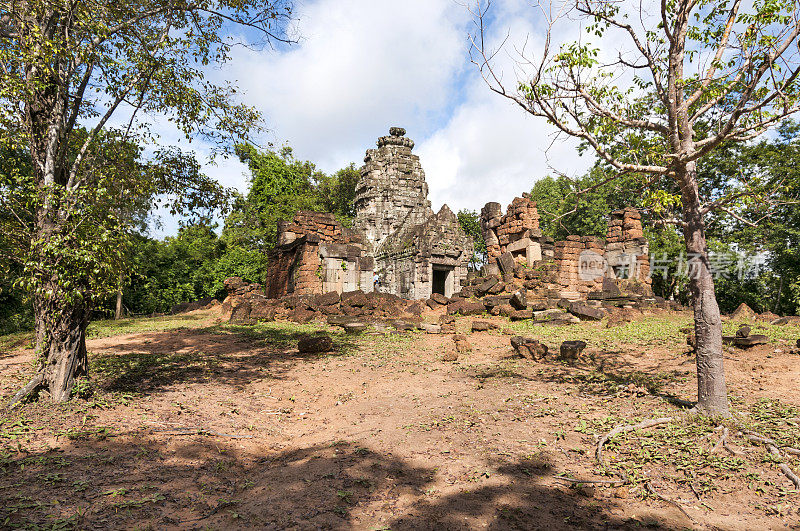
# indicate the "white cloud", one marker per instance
pixel 490 149
pixel 360 67
pixel 364 65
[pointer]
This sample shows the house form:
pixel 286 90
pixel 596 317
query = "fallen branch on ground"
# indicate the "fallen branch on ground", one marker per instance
pixel 180 430
pixel 624 429
pixel 26 391
pixel 593 481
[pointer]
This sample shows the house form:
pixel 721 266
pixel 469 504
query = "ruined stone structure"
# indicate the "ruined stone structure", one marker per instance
pixel 576 267
pixel 396 236
pixel 316 254
pixel 416 252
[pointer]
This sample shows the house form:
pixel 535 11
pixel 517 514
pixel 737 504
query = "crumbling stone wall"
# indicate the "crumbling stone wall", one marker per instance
pixel 627 250
pixel 516 232
pixel 565 267
pixel 316 254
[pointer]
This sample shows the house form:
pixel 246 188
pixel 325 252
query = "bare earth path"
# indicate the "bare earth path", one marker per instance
pixel 214 426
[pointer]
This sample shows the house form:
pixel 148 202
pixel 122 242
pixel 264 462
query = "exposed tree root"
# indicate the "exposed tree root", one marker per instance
pixel 594 481
pixel 722 440
pixel 625 429
pixel 772 446
pixel 670 501
pixel 35 383
pixel 196 430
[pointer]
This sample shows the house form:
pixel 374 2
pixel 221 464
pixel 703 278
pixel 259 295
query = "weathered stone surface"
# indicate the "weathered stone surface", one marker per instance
pixel 529 348
pixel 355 327
pixel 506 264
pixel 356 298
pixel 312 344
pixel 584 312
pixel 743 313
pixel 519 300
pixel 497 288
pixel 750 341
pixel 743 331
pixel 570 350
pixel 301 315
pixel 404 325
pixel 440 299
pixel 521 315
pixel 483 326
pixel 327 299
pixel 430 328
pixel 415 309
pixel 465 307
pixel 486 285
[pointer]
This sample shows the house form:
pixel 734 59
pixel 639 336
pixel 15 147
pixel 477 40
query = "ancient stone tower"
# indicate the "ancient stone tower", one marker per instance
pixel 392 191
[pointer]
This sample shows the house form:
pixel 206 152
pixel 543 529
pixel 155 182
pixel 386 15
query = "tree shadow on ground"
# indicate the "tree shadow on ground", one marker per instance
pixel 155 360
pixel 142 481
pixel 602 374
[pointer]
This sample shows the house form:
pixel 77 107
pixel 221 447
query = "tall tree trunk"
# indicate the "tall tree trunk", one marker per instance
pixel 63 344
pixel 778 298
pixel 712 394
pixel 118 312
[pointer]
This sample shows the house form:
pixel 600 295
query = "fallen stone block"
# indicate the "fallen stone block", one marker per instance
pixel 506 264
pixel 743 331
pixel 486 285
pixel 440 299
pixel 582 311
pixel 529 348
pixel 519 300
pixel 327 299
pixel 750 341
pixel 430 328
pixel 483 326
pixel 462 345
pixel 312 344
pixel 355 298
pixel 521 315
pixel 570 350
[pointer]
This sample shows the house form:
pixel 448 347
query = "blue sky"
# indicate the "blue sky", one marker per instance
pixel 362 66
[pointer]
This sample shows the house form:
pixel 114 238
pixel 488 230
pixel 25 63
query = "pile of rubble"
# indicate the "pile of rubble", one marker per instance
pixel 516 294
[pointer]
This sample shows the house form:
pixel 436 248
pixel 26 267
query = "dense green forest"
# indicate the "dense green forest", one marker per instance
pixel 758 265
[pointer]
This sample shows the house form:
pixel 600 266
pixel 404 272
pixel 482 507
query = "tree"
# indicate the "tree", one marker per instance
pixel 70 63
pixel 280 185
pixel 702 74
pixel 470 222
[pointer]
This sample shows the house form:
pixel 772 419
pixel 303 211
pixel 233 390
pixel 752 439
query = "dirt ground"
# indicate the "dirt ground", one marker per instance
pixel 194 424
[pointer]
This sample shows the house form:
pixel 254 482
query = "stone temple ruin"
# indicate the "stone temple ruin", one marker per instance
pixel 396 237
pixel 572 269
pixel 398 247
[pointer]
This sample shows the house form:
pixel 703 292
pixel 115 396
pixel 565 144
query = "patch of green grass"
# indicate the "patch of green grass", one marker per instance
pixel 108 328
pixel 654 330
pixel 14 341
pixel 790 332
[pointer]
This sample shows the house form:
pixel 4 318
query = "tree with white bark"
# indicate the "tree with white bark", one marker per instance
pixel 691 76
